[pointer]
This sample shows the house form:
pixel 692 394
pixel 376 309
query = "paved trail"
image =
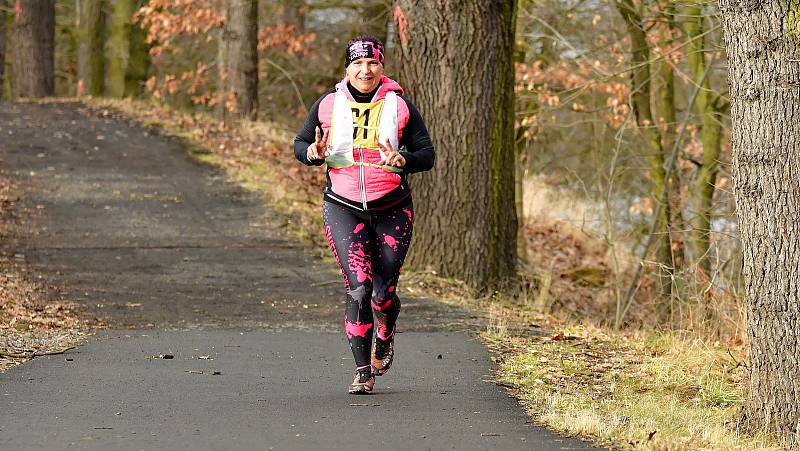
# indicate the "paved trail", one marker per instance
pixel 179 261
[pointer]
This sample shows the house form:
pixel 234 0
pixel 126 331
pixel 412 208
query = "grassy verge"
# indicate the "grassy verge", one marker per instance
pixel 653 391
pixel 638 390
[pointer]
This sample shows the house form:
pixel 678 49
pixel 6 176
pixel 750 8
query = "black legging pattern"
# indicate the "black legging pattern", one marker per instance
pixel 370 249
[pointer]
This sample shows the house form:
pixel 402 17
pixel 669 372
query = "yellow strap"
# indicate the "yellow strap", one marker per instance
pixel 358 163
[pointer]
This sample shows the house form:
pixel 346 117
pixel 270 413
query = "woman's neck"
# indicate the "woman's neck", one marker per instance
pixel 362 97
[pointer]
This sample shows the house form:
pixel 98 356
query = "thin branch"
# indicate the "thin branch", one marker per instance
pixel 291 80
pixel 651 238
pixel 30 355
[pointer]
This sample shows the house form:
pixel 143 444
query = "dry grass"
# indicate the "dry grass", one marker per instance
pixel 550 205
pixel 656 391
pixel 642 389
pixel 639 389
pixel 573 264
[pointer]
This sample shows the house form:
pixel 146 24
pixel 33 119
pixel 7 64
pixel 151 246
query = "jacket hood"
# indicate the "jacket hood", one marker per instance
pixel 387 84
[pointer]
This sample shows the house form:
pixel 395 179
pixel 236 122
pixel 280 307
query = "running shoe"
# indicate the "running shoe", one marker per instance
pixel 382 354
pixel 363 382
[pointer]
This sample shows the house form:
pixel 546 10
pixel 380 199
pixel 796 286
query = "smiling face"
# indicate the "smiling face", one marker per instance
pixel 365 74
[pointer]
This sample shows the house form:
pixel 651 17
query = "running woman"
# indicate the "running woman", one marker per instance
pixel 371 137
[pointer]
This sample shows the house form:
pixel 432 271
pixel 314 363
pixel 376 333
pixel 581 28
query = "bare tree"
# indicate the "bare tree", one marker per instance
pixel 34 48
pixel 668 120
pixel 138 58
pixel 641 99
pixel 455 59
pixel 3 40
pixel 709 107
pixel 239 58
pixel 90 47
pixel 119 46
pixel 763 45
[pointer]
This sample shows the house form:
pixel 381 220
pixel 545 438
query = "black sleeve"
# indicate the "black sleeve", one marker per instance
pixel 307 135
pixel 419 153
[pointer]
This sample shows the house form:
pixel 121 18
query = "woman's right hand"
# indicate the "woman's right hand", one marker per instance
pixel 319 149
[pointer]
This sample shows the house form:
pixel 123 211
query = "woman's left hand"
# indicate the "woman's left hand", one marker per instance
pixel 390 157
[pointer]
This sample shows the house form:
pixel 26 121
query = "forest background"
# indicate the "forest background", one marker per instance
pixel 625 217
pixel 604 99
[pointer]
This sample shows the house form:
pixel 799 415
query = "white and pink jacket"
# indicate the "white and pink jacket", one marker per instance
pixel 354 176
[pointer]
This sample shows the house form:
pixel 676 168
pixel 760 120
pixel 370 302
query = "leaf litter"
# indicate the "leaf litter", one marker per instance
pixel 32 323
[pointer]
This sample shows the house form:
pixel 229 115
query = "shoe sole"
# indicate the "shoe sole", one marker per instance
pixel 360 389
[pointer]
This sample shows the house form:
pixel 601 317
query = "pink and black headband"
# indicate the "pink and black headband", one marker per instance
pixel 363 47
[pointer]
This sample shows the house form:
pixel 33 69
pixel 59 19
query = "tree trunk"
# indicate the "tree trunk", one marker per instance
pixel 119 46
pixel 240 58
pixel 669 122
pixel 764 78
pixel 520 172
pixel 34 48
pixel 90 47
pixel 455 59
pixel 138 59
pixel 641 100
pixel 701 194
pixel 3 40
pixel 666 93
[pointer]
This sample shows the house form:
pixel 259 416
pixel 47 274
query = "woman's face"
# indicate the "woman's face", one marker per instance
pixel 365 74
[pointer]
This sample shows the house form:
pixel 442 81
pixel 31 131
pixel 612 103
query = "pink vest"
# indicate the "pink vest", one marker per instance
pixel 354 131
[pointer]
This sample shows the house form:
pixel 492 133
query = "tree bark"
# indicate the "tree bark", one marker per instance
pixel 138 59
pixel 520 173
pixel 3 40
pixel 240 59
pixel 640 103
pixel 119 46
pixel 34 48
pixel 90 47
pixel 455 60
pixel 701 194
pixel 763 50
pixel 668 120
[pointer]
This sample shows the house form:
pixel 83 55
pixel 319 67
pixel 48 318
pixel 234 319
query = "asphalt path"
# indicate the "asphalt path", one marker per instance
pixel 180 262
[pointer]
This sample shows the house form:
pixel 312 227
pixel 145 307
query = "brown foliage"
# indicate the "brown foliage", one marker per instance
pixel 187 31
